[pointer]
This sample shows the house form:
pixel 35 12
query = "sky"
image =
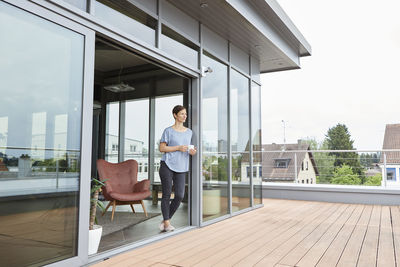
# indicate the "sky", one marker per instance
pixel 352 76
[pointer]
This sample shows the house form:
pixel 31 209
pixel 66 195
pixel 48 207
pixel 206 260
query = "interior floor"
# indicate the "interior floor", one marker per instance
pixel 144 229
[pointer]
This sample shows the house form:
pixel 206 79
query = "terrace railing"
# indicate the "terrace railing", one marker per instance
pixel 335 167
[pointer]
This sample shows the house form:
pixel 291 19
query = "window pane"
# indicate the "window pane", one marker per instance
pixel 128 18
pixel 81 4
pixel 240 141
pixel 112 132
pixel 40 132
pixel 179 47
pixel 256 138
pixel 214 140
pixel 137 134
pixel 391 174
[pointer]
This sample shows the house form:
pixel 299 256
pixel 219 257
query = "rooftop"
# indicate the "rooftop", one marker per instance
pixel 282 233
pixel 392 141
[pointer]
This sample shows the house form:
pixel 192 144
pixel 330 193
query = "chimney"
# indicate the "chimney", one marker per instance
pixel 299 141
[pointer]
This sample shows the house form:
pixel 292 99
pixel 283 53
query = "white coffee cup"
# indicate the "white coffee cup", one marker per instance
pixel 190 147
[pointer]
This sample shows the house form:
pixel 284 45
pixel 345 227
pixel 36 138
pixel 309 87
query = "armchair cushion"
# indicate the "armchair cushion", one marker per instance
pixel 142 186
pixel 121 181
pixel 130 196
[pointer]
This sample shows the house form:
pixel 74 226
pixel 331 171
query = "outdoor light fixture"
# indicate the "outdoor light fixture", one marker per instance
pixel 203 5
pixel 205 70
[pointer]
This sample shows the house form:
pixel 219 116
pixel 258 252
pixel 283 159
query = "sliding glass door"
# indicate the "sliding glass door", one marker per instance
pixel 41 116
pixel 240 132
pixel 214 134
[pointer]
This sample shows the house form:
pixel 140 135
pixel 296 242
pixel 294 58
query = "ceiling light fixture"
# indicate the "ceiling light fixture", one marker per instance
pixel 120 86
pixel 203 5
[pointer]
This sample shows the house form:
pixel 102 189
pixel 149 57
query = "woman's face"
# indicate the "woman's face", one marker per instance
pixel 181 116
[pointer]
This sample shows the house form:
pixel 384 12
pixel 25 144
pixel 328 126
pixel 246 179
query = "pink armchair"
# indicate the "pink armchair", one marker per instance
pixel 122 187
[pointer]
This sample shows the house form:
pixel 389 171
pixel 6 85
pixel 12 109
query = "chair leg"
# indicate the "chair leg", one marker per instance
pixel 144 208
pixel 133 210
pixel 109 204
pixel 113 210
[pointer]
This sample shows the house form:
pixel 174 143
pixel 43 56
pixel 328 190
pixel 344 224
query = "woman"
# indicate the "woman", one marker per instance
pixel 176 145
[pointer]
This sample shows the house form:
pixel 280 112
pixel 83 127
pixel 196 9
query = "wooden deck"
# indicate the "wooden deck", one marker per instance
pixel 283 233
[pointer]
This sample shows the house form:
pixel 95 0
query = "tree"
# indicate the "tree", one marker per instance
pixel 368 160
pixel 374 180
pixel 338 138
pixel 323 161
pixel 345 175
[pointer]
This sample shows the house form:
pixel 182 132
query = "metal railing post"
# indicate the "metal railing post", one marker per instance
pixel 384 170
pixel 57 168
pixel 295 167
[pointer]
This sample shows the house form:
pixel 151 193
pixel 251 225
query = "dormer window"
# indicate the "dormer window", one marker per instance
pixel 282 163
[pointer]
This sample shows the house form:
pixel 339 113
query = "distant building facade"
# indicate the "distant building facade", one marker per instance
pixel 391 141
pixel 279 164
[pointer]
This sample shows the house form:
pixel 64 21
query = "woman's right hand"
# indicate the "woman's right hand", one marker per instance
pixel 183 148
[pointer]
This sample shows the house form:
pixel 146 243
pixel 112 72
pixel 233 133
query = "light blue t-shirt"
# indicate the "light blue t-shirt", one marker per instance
pixel 177 161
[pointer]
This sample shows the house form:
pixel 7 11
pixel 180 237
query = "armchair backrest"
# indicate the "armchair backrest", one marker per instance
pixel 120 176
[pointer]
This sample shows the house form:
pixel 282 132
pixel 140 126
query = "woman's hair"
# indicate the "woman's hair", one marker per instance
pixel 177 109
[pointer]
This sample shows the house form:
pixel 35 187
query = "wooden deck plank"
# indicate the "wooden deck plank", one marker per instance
pixel 369 247
pixel 246 250
pixel 333 253
pixel 300 243
pixel 122 260
pixel 179 238
pixel 159 264
pixel 269 235
pixel 208 249
pixel 395 216
pixel 262 241
pixel 353 246
pixel 385 248
pixel 304 225
pixel 225 250
pixel 177 251
pixel 190 240
pixel 312 257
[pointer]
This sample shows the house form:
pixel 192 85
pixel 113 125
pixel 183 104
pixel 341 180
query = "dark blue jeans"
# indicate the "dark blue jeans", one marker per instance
pixel 169 177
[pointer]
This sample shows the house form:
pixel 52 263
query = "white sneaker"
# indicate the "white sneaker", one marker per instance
pixel 161 226
pixel 169 228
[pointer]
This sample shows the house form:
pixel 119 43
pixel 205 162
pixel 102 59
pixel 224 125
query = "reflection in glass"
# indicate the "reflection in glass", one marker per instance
pixel 127 17
pixel 257 145
pixel 3 133
pixel 81 4
pixel 60 134
pixel 240 141
pixel 137 134
pixel 40 133
pixel 178 46
pixel 112 132
pixel 215 139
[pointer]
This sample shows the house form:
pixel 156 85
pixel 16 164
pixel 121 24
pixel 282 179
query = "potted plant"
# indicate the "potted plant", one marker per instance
pixel 95 230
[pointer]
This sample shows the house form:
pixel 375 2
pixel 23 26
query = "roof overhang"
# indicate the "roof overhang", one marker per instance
pixel 258 27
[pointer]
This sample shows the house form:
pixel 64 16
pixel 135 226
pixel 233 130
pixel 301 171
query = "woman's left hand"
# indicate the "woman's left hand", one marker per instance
pixel 193 151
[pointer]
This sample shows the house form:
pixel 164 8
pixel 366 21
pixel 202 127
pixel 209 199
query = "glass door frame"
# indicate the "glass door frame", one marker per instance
pixel 190 99
pixel 86 124
pixel 193 103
